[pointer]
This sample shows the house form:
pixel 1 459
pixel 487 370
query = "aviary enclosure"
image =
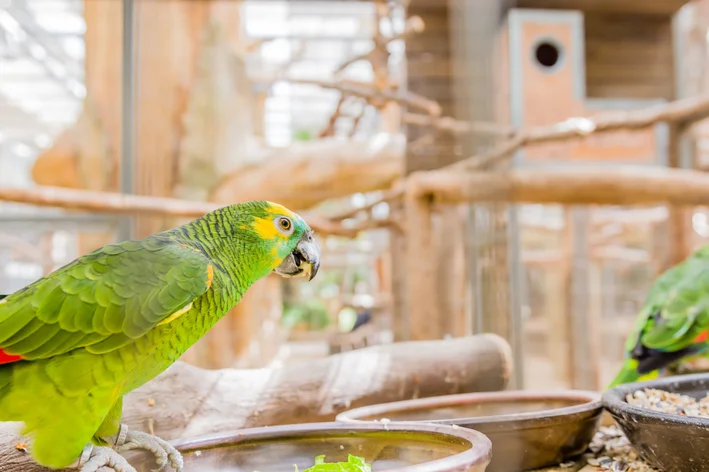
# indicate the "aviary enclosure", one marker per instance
pixel 584 120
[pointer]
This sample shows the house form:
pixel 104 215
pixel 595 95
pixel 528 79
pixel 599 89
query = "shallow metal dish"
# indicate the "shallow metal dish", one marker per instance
pixel 528 429
pixel 668 442
pixel 392 447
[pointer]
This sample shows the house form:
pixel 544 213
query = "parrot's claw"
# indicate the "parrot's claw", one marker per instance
pixel 96 457
pixel 165 453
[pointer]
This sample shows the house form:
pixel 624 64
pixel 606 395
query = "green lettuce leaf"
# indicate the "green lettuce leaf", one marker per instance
pixel 353 464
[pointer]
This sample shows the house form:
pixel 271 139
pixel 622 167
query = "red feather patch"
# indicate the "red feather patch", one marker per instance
pixel 8 358
pixel 699 339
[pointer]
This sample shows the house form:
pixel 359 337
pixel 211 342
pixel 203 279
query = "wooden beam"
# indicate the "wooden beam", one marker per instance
pixel 420 267
pixel 678 243
pixel 398 243
pixel 449 281
pixel 108 202
pixel 309 173
pixel 557 288
pixel 578 185
pixel 634 7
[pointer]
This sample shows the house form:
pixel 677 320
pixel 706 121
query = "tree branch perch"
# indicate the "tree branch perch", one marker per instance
pixel 186 401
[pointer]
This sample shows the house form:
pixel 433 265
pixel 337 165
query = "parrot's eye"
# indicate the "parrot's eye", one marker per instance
pixel 285 225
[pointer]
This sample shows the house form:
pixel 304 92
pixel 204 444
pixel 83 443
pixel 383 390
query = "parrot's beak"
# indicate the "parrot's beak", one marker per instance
pixel 304 261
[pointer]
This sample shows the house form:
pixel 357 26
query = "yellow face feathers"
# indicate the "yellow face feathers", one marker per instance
pixel 269 228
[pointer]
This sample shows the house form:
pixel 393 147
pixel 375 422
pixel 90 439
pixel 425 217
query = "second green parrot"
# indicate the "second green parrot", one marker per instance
pixel 673 324
pixel 74 342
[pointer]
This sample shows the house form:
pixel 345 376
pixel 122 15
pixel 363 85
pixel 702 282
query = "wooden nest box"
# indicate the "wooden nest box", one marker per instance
pixel 572 58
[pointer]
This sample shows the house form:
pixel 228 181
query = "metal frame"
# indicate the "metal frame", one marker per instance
pixel 128 113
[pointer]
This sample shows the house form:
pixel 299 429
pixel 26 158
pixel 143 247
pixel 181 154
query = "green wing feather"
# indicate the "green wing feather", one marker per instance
pixel 102 300
pixel 677 307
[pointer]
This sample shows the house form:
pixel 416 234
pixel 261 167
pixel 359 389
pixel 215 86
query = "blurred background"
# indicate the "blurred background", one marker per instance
pixel 323 106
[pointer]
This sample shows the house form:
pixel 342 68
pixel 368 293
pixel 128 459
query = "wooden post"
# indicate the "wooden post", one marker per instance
pixel 595 320
pixel 399 295
pixel 558 320
pixel 448 232
pixel 167 53
pixel 584 367
pixel 678 243
pixel 420 266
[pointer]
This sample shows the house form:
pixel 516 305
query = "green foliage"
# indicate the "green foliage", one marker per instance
pixel 302 135
pixel 312 311
pixel 353 464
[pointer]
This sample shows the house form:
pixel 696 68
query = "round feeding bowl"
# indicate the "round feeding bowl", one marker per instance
pixel 392 447
pixel 666 441
pixel 528 430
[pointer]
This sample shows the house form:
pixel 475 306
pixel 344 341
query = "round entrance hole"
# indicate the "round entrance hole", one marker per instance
pixel 547 54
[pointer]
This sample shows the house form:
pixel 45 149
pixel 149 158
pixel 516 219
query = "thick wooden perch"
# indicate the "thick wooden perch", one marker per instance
pixel 108 202
pixel 579 185
pixel 311 172
pixel 186 401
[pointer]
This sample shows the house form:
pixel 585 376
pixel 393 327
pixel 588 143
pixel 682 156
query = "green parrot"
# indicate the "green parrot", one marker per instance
pixel 673 324
pixel 74 342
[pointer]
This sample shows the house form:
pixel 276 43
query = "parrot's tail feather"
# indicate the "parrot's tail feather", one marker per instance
pixel 628 373
pixel 6 358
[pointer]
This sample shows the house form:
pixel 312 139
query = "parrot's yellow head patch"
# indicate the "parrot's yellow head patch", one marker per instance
pixel 276 223
pixel 283 238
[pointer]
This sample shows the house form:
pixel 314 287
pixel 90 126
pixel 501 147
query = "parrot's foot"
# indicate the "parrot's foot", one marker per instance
pixel 128 439
pixel 96 457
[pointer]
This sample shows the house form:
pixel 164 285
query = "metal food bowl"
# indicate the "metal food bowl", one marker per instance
pixel 668 442
pixel 528 430
pixel 391 447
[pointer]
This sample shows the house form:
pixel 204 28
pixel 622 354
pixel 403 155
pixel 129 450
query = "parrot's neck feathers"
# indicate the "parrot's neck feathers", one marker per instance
pixel 222 237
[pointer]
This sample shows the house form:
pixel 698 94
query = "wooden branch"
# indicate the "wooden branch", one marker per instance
pixel 357 119
pixel 349 62
pixel 308 173
pixel 579 185
pixel 392 194
pixel 414 25
pixel 117 203
pixel 329 130
pixel 378 57
pixel 686 112
pixel 186 401
pixel 451 125
pixel 682 112
pixel 366 91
